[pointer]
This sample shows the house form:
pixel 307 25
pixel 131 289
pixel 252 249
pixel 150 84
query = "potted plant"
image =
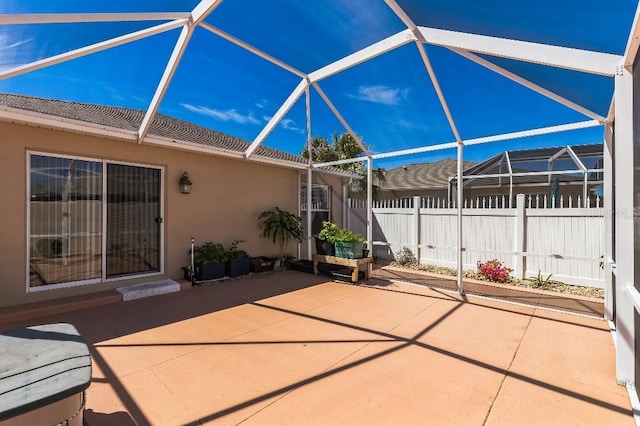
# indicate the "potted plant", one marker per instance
pixel 281 227
pixel 326 238
pixel 209 261
pixel 238 260
pixel 347 244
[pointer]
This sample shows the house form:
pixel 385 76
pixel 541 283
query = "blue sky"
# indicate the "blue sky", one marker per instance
pixel 388 100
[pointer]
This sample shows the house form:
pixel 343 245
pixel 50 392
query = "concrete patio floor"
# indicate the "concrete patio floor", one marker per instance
pixel 291 348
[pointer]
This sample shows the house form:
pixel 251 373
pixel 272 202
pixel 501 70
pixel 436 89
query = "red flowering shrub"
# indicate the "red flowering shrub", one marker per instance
pixel 494 270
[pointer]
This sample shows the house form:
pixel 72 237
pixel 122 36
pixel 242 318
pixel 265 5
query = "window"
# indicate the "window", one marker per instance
pixel 90 220
pixel 320 206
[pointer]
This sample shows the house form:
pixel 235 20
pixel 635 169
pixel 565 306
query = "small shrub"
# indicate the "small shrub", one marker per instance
pixel 233 252
pixel 405 257
pixel 494 270
pixel 540 280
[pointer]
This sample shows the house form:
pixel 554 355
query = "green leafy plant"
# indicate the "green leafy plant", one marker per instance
pixel 405 257
pixel 233 252
pixel 329 231
pixel 281 227
pixel 540 280
pixel 494 270
pixel 209 253
pixel 332 233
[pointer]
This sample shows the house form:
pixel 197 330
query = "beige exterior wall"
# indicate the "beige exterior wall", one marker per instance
pixel 226 199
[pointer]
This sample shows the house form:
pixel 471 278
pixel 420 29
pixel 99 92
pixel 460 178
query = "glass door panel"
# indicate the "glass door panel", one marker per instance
pixel 133 220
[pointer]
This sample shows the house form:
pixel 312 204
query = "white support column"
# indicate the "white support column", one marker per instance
pixel 608 221
pixel 299 210
pixel 584 189
pixel 519 259
pixel 370 205
pixel 459 219
pixel 416 226
pixel 506 154
pixel 309 173
pixel 624 226
pixel 309 204
pixel 346 206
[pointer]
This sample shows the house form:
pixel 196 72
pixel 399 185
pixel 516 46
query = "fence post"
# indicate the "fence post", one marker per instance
pixel 416 227
pixel 519 259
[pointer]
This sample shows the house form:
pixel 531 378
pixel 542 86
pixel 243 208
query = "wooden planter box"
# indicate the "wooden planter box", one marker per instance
pixel 262 264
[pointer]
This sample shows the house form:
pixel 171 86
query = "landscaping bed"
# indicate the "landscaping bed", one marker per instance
pixel 549 285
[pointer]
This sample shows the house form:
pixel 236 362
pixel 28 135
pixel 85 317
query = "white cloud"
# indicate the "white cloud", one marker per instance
pixel 381 94
pixel 289 124
pixel 10 55
pixel 6 44
pixel 223 115
pixel 262 103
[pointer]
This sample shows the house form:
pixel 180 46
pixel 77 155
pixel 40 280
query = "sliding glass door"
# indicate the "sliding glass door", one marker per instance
pixel 65 223
pixel 133 220
pixel 91 220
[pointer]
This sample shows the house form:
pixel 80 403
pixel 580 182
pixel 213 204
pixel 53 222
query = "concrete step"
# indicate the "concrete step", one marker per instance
pixel 155 288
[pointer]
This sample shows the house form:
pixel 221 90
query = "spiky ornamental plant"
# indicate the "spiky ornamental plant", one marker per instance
pixel 281 227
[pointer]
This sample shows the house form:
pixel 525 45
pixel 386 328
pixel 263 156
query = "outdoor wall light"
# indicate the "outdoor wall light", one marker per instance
pixel 185 183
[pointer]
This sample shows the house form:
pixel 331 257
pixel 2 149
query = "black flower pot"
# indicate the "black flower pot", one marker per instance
pixel 237 267
pixel 209 271
pixel 325 247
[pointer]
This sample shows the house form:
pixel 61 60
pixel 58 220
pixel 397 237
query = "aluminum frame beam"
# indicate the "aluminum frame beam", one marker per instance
pixel 337 114
pixel 438 89
pixel 496 138
pixel 203 9
pixel 363 55
pixel 309 170
pixel 529 84
pixel 70 18
pixel 633 42
pixel 252 49
pixel 169 71
pixel 93 48
pixel 537 53
pixel 402 15
pixel 624 229
pixel 279 115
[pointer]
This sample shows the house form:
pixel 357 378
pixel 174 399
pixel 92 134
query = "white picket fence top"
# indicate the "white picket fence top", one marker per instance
pixel 537 201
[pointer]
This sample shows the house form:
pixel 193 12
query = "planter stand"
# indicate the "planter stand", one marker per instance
pixel 352 263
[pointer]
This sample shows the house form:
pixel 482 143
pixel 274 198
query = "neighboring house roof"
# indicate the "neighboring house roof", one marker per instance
pixel 163 126
pixel 422 176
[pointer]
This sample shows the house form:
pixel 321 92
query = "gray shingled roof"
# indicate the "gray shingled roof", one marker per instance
pixel 423 175
pixel 131 119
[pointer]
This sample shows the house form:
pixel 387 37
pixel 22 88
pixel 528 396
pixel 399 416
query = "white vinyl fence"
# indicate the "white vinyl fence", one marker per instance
pixel 565 242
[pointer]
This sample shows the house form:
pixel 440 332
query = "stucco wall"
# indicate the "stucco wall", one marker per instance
pixel 226 198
